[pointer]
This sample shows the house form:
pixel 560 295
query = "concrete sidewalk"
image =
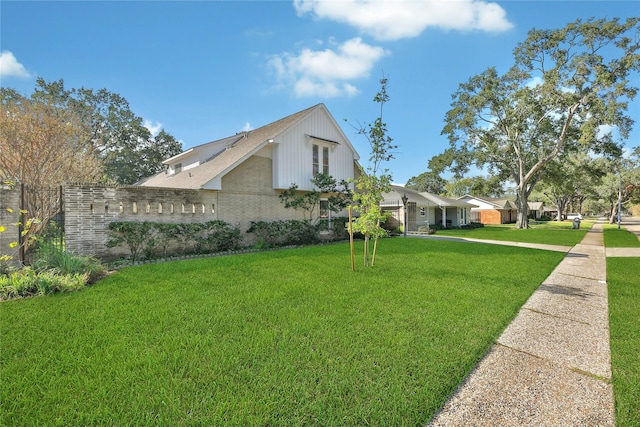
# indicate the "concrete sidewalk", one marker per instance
pixel 552 365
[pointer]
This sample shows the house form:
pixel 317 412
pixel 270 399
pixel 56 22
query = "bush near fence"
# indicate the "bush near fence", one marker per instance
pixel 147 240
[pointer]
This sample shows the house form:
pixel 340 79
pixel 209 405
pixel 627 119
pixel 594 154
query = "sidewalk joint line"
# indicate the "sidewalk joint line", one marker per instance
pixel 556 316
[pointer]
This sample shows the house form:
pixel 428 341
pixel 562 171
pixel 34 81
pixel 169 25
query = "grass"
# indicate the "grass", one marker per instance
pixel 275 338
pixel 619 238
pixel 624 324
pixel 551 232
pixel 624 312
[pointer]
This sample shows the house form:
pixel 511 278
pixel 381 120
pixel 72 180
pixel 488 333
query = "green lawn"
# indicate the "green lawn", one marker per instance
pixel 624 322
pixel 619 238
pixel 287 337
pixel 551 232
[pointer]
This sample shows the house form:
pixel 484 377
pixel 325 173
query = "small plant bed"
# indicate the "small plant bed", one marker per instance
pixel 624 312
pixel 53 270
pixel 619 238
pixel 551 233
pixel 271 338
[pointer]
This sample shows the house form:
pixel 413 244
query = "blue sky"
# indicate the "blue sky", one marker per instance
pixel 204 70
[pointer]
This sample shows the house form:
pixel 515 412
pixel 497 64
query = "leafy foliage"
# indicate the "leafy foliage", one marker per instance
pixel 375 181
pixel 284 232
pixel 338 195
pixel 50 258
pixel 152 239
pixel 30 227
pixel 476 186
pixel 429 182
pixel 81 135
pixel 565 86
pixel 27 282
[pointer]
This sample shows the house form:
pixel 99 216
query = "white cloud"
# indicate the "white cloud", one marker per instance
pixel 10 67
pixel 535 82
pixel 247 127
pixel 153 128
pixel 327 73
pixel 604 130
pixel 398 19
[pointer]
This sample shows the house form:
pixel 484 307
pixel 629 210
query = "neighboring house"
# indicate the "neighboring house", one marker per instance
pixel 536 210
pixel 244 174
pixel 424 209
pixel 489 210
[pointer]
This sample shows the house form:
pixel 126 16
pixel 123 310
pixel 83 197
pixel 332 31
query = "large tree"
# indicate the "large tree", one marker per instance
pixel 126 147
pixel 477 186
pixel 41 145
pixel 429 182
pixel 569 179
pixel 566 87
pixel 621 186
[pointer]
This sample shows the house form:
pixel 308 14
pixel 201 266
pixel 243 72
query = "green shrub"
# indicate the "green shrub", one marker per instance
pixel 268 234
pixel 48 257
pixel 284 232
pixel 151 239
pixel 218 236
pixel 425 229
pixel 6 265
pixel 339 228
pixel 140 237
pixel 473 225
pixel 300 232
pixel 28 282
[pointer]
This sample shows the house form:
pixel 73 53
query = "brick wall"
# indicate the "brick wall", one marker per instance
pixel 490 216
pixel 247 195
pixel 90 208
pixel 9 200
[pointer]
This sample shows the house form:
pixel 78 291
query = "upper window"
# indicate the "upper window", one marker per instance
pixel 178 167
pixel 317 166
pixel 325 160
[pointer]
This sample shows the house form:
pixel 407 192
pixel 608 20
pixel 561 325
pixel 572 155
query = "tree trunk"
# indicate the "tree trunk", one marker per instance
pixel 522 196
pixel 366 251
pixel 351 248
pixel 561 204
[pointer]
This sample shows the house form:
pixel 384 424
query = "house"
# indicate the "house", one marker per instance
pixel 243 175
pixel 490 210
pixel 423 209
pixel 536 210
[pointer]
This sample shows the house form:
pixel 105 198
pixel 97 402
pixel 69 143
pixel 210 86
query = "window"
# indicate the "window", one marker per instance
pixel 159 208
pixel 316 166
pixel 134 207
pixel 325 160
pixel 324 209
pixel 178 167
pixel 422 212
pixel 316 160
